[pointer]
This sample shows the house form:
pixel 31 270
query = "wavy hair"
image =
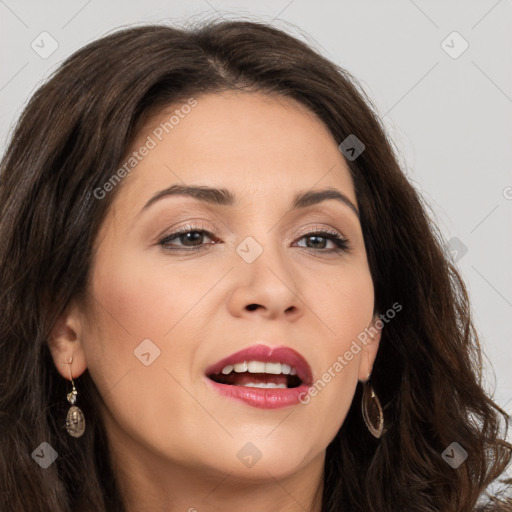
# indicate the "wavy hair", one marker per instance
pixel 74 133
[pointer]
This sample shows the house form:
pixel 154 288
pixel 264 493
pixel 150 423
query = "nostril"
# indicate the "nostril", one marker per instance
pixel 252 307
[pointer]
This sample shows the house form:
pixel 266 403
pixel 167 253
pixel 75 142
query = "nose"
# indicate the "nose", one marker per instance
pixel 267 287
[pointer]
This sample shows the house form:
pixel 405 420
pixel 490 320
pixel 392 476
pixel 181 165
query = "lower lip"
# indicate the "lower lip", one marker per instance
pixel 271 398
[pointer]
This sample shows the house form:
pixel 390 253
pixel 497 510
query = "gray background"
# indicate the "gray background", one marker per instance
pixel 450 118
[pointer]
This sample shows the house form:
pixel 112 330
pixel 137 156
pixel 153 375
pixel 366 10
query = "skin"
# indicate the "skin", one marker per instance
pixel 174 439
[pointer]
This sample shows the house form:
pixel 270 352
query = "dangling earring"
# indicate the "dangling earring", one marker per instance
pixel 372 411
pixel 75 420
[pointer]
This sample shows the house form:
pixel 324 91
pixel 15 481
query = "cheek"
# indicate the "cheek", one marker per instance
pixel 142 324
pixel 348 302
pixel 133 364
pixel 347 311
pixel 134 301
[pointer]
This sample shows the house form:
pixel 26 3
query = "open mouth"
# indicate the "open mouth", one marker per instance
pixel 258 374
pixel 262 376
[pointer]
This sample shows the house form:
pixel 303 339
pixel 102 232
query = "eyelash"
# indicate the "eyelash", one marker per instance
pixel 342 244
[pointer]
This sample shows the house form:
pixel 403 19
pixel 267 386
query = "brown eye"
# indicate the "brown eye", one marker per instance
pixel 191 238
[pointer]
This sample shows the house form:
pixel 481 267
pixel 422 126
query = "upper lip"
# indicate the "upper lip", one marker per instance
pixel 267 354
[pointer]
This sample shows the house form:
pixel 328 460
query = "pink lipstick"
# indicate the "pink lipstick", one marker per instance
pixel 262 376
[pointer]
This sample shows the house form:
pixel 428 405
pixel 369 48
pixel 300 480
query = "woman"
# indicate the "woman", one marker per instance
pixel 219 292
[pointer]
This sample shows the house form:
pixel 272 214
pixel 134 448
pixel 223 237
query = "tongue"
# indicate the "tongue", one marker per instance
pixel 241 379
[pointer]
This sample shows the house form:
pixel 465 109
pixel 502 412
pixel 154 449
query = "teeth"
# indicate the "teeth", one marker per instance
pixel 255 367
pixel 274 368
pixel 260 367
pixel 227 369
pixel 241 367
pixel 268 385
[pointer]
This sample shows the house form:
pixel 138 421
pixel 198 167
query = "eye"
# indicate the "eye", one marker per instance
pixel 320 238
pixel 190 236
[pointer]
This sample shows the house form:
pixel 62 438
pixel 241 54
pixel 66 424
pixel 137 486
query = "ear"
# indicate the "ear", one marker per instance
pixel 370 348
pixel 65 343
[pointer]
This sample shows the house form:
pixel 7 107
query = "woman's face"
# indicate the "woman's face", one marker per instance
pixel 164 310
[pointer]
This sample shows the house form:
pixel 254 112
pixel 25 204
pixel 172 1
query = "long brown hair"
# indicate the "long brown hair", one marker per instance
pixel 69 141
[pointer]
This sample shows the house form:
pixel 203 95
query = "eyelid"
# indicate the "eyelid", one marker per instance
pixel 190 225
pixel 320 227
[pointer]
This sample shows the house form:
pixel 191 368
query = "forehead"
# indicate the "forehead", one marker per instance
pixel 250 143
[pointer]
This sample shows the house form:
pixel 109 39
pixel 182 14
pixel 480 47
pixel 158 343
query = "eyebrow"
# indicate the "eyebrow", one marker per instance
pixel 223 197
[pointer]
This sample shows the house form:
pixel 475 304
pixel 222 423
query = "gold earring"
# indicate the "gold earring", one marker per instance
pixel 75 420
pixel 372 411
